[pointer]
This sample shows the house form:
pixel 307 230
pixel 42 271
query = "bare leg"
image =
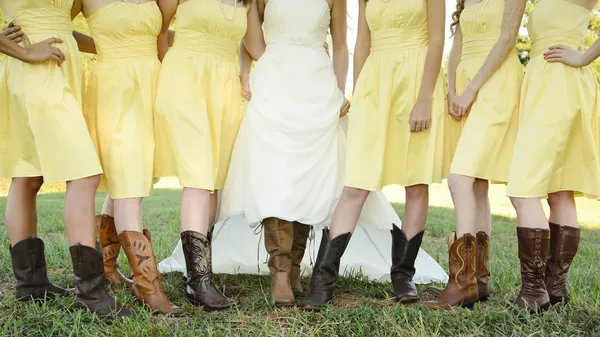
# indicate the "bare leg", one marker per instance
pixel 345 217
pixel 21 213
pixel 465 204
pixel 484 214
pixel 194 210
pixel 128 215
pixel 530 213
pixel 212 210
pixel 79 212
pixel 563 210
pixel 109 206
pixel 415 210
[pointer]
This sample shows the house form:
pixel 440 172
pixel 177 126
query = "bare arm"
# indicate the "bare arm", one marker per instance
pixel 362 49
pixel 254 40
pixel 436 17
pixel 454 60
pixel 168 8
pixel 572 57
pixel 85 42
pixel 245 65
pixel 339 29
pixel 32 53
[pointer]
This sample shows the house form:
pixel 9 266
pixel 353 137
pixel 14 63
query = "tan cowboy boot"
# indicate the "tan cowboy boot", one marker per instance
pixel 278 242
pixel 301 233
pixel 111 247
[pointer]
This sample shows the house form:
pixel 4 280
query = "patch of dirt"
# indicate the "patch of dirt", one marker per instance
pixel 346 301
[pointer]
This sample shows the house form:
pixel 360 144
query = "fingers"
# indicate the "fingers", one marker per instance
pixel 558 47
pixel 58 54
pixel 52 40
pixel 26 41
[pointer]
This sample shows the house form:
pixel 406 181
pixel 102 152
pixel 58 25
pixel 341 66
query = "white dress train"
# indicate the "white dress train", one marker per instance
pixel 289 156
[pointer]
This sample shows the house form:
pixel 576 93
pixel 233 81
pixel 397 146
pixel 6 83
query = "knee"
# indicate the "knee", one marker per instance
pixel 481 188
pixel 354 195
pixel 31 185
pixel 457 183
pixel 560 199
pixel 417 192
pixel 89 184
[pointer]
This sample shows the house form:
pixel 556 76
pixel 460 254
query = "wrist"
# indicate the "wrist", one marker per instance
pixel 424 98
pixel 471 89
pixel 586 59
pixel 22 54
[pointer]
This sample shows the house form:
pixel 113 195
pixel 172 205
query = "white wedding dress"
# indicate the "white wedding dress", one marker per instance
pixel 288 160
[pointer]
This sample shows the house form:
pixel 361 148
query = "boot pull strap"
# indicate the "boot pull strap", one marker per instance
pixel 311 242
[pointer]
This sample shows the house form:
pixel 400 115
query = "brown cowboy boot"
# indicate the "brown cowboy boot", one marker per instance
pixel 301 233
pixel 200 288
pixel 461 289
pixel 278 242
pixel 564 242
pixel 29 267
pixel 90 292
pixel 146 283
pixel 404 255
pixel 482 265
pixel 534 248
pixel 111 247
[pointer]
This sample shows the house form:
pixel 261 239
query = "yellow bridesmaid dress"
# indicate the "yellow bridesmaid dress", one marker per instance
pixel 44 131
pixel 381 149
pixel 119 101
pixel 557 144
pixel 486 142
pixel 198 106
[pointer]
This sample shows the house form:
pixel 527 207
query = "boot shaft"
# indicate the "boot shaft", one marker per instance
pixel 483 263
pixel 198 259
pixel 564 243
pixel 107 231
pixel 300 239
pixel 462 264
pixel 404 252
pixel 88 271
pixel 279 236
pixel 139 252
pixel 29 261
pixel 329 257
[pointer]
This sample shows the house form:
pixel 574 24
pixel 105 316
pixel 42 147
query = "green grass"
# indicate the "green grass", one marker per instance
pixel 361 307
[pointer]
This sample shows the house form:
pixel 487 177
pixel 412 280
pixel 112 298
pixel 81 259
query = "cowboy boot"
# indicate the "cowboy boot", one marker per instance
pixel 278 242
pixel 461 289
pixel 404 254
pixel 564 242
pixel 534 248
pixel 200 288
pixel 482 265
pixel 109 241
pixel 301 233
pixel 29 267
pixel 326 270
pixel 146 283
pixel 90 292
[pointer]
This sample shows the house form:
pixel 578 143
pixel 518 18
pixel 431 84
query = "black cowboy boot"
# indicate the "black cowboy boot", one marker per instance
pixel 29 267
pixel 90 292
pixel 404 254
pixel 326 270
pixel 201 290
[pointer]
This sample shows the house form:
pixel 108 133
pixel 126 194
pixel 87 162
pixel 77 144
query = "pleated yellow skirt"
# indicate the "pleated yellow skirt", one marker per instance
pixel 557 144
pixel 43 128
pixel 485 146
pixel 381 148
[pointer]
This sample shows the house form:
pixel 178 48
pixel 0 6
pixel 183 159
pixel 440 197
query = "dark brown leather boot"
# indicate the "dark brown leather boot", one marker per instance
pixel 326 270
pixel 111 247
pixel 534 247
pixel 29 267
pixel 90 291
pixel 200 289
pixel 146 283
pixel 278 242
pixel 404 254
pixel 461 289
pixel 564 242
pixel 301 233
pixel 482 265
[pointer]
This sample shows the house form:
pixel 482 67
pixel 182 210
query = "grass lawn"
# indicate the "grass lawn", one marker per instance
pixel 362 307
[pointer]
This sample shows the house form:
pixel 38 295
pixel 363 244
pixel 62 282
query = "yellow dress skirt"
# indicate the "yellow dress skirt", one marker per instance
pixel 487 135
pixel 119 102
pixel 198 106
pixel 43 128
pixel 381 148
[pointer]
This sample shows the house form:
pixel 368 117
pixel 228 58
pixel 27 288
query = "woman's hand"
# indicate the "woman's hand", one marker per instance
pixel 462 104
pixel 420 116
pixel 451 100
pixel 344 108
pixel 43 51
pixel 563 54
pixel 246 93
pixel 13 32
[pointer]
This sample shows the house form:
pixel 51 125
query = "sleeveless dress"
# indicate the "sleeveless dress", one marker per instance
pixel 557 144
pixel 381 148
pixel 288 157
pixel 198 105
pixel 119 102
pixel 43 128
pixel 486 142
